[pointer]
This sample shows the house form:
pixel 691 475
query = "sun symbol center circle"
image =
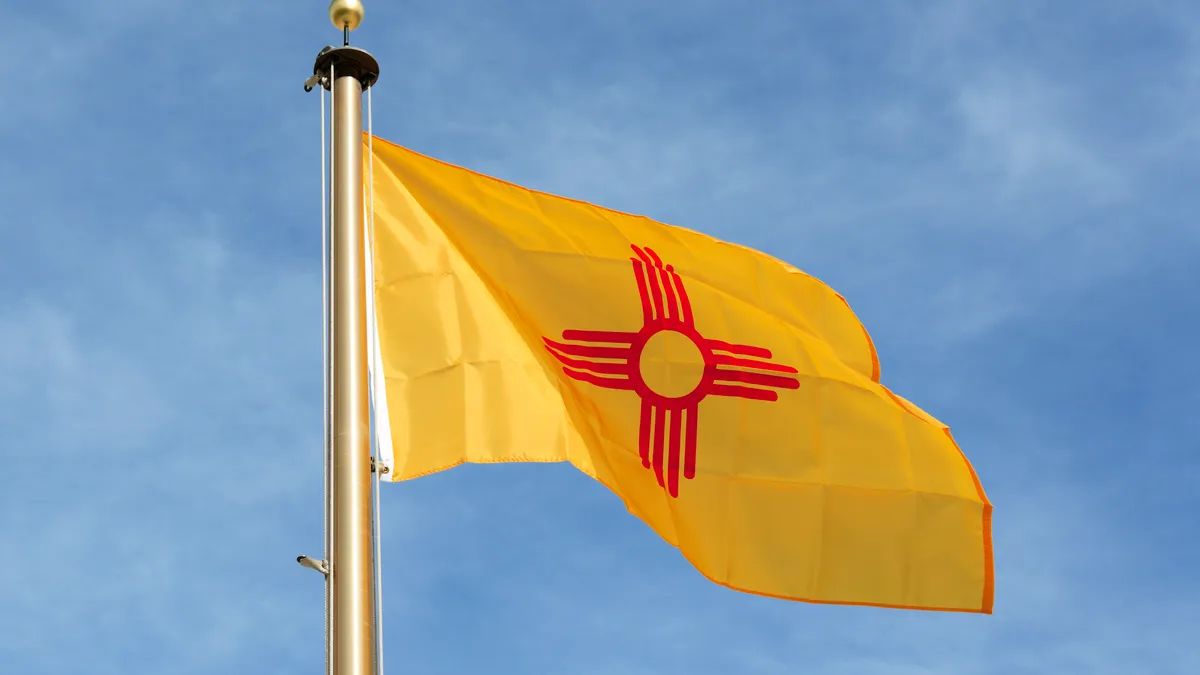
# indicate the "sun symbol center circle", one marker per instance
pixel 671 364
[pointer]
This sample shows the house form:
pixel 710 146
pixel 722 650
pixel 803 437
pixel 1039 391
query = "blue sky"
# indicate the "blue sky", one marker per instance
pixel 1004 192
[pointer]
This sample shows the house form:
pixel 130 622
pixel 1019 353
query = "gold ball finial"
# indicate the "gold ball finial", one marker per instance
pixel 346 13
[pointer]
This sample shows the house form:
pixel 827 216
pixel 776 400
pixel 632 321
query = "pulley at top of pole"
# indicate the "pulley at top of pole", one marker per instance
pixel 347 60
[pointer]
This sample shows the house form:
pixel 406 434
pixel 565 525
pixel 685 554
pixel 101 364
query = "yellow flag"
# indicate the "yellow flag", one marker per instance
pixel 729 399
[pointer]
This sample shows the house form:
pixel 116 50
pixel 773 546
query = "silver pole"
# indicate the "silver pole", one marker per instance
pixel 352 638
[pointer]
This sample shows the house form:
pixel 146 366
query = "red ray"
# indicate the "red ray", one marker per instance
pixel 612 337
pixel 639 272
pixel 644 434
pixel 757 379
pixel 737 391
pixel 602 367
pixel 656 294
pixel 689 442
pixel 684 304
pixel 660 415
pixel 673 453
pixel 606 382
pixel 744 350
pixel 669 285
pixel 590 351
pixel 727 360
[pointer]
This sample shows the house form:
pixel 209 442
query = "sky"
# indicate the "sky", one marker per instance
pixel 1004 192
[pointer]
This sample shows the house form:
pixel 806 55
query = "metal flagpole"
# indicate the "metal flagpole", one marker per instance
pixel 351 638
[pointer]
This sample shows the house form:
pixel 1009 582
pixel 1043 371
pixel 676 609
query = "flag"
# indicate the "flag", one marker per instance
pixel 730 400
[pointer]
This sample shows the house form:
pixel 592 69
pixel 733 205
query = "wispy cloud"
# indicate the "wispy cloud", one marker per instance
pixel 1015 129
pixel 155 452
pixel 84 393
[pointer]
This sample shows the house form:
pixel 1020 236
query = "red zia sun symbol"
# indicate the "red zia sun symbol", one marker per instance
pixel 616 360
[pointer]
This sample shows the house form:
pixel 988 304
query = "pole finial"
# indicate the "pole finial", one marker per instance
pixel 346 14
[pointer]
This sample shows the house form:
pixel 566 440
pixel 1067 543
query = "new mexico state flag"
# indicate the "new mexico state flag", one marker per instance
pixel 732 401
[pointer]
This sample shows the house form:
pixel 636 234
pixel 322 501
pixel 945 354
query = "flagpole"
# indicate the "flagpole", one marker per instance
pixel 347 71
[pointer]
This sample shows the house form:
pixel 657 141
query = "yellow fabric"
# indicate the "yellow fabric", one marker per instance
pixel 836 491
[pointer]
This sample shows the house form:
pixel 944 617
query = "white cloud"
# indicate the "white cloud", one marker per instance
pixel 85 396
pixel 1015 128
